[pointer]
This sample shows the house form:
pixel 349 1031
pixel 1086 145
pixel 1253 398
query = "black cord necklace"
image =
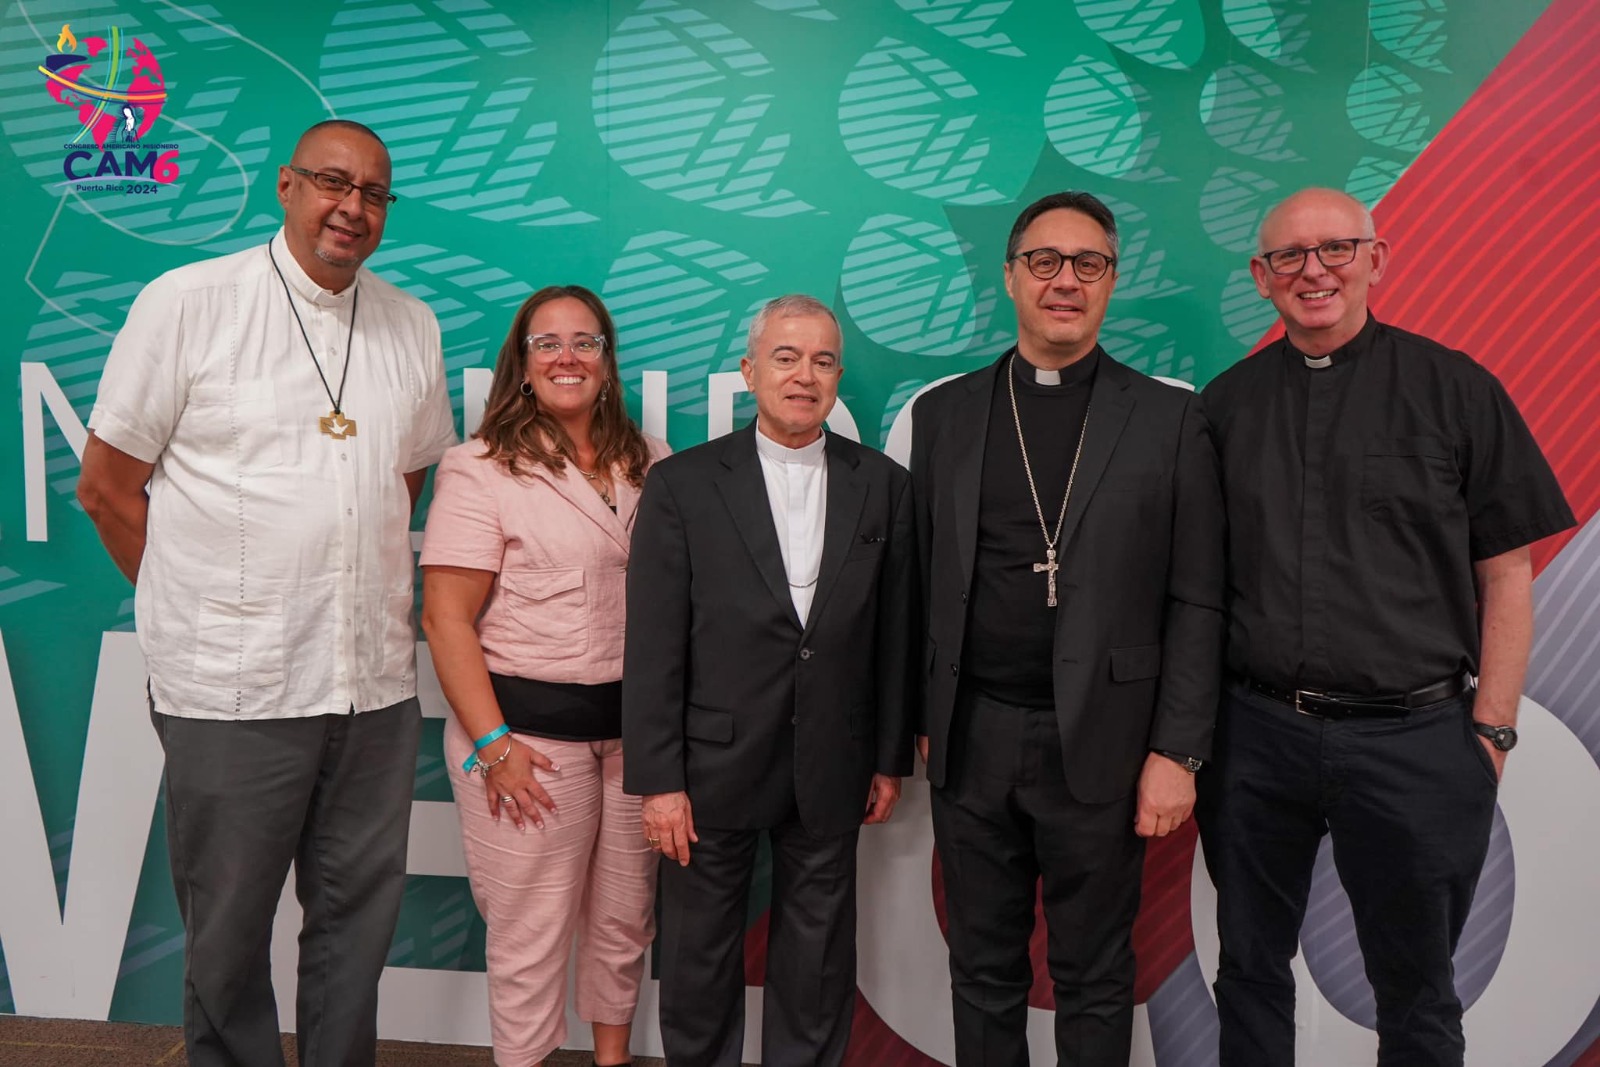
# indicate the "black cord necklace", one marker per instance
pixel 334 424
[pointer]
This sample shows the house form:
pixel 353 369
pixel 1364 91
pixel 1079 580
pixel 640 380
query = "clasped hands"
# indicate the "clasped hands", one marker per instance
pixel 669 817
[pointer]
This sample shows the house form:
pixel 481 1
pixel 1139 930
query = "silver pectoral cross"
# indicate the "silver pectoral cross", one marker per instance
pixel 1049 568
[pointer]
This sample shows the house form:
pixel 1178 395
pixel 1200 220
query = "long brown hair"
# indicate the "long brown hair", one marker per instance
pixel 516 429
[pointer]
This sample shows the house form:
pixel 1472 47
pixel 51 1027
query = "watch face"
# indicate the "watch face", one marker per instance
pixel 1502 737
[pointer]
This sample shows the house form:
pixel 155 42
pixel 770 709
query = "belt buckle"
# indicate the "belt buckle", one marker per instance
pixel 1314 694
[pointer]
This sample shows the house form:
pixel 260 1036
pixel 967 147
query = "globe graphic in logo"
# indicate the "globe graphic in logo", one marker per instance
pixel 117 93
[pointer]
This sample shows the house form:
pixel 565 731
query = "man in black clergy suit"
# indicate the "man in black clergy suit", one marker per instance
pixel 1071 541
pixel 767 686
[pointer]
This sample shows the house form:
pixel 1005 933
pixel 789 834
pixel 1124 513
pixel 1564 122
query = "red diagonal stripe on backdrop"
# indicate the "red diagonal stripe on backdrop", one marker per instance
pixel 1495 228
pixel 1494 232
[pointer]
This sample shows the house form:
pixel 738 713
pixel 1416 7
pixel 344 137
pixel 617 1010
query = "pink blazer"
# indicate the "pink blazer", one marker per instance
pixel 560 556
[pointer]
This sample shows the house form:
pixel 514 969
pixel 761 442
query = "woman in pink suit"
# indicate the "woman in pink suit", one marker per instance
pixel 523 572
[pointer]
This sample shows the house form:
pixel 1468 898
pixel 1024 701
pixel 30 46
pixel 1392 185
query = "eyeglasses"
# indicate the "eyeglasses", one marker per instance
pixel 1046 263
pixel 333 187
pixel 547 347
pixel 1334 253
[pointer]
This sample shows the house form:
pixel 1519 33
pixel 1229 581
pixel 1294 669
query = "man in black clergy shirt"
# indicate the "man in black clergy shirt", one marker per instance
pixel 1070 523
pixel 1382 494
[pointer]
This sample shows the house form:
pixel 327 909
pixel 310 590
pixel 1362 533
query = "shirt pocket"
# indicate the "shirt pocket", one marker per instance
pixel 1409 479
pixel 550 606
pixel 239 643
pixel 239 419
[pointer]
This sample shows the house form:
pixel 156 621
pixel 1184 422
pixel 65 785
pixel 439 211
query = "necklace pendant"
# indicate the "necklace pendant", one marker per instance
pixel 336 426
pixel 1048 568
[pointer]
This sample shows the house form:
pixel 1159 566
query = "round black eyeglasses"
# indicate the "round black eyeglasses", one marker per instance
pixel 1046 263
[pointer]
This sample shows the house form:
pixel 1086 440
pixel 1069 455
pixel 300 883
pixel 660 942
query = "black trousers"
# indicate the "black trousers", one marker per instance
pixel 330 794
pixel 1409 803
pixel 808 999
pixel 1003 821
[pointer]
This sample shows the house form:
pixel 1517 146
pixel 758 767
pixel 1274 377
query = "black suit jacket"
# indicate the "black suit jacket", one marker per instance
pixel 1139 630
pixel 724 694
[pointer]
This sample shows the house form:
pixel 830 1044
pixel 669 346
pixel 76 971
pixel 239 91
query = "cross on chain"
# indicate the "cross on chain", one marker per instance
pixel 1049 568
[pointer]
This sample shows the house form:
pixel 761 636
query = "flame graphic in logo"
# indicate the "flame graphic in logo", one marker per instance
pixel 66 42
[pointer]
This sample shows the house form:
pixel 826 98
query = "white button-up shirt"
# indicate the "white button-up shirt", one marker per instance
pixel 277 572
pixel 797 490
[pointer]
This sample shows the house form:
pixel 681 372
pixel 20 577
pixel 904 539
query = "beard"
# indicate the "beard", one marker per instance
pixel 333 259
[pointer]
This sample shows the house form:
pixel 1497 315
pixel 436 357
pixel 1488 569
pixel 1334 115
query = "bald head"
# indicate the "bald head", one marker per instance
pixel 347 127
pixel 1327 202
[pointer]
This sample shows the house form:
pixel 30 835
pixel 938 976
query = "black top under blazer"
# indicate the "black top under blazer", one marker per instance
pixel 1139 630
pixel 724 694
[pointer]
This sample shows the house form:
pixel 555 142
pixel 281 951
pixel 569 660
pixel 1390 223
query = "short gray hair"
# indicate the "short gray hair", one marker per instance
pixel 782 307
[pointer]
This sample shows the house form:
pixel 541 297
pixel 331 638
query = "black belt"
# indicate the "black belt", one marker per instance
pixel 1357 705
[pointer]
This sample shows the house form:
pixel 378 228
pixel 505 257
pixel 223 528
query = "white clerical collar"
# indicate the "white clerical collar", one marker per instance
pixel 1317 362
pixel 806 455
pixel 301 282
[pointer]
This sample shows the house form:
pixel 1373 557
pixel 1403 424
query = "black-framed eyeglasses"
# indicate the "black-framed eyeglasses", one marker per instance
pixel 333 187
pixel 547 347
pixel 1334 253
pixel 1046 263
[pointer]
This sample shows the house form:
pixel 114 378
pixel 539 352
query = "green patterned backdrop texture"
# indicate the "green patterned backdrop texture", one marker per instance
pixel 688 159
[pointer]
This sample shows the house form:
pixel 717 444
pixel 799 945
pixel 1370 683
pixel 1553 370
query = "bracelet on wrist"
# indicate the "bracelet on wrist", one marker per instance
pixel 478 765
pixel 478 746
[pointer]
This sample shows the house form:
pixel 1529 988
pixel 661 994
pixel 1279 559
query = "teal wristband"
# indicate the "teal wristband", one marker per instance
pixel 487 739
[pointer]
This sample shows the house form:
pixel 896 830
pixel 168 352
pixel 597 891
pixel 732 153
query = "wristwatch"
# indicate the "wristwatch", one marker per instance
pixel 1190 764
pixel 1502 737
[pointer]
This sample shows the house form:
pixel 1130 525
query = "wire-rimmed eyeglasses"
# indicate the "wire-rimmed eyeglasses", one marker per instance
pixel 333 187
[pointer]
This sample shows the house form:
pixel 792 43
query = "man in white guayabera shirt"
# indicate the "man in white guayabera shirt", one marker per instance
pixel 283 405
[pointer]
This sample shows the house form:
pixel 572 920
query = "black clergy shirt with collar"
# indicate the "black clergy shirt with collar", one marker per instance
pixel 1011 635
pixel 1359 496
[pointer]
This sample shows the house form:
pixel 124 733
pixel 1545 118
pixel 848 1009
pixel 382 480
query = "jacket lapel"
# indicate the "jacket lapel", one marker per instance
pixel 971 434
pixel 577 491
pixel 846 495
pixel 1109 407
pixel 744 492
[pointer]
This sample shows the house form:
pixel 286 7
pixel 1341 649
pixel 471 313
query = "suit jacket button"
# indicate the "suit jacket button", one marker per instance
pixel 805 653
pixel 954 670
pixel 963 596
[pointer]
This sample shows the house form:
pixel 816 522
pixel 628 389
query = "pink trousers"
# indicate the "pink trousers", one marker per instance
pixel 589 873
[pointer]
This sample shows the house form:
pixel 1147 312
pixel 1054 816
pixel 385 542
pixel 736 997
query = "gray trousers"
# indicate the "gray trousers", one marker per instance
pixel 330 794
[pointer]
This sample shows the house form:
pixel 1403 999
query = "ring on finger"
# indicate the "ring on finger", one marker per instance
pixel 507 798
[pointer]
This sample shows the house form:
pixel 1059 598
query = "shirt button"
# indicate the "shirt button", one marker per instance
pixel 349 570
pixel 795 721
pixel 805 653
pixel 344 455
pixel 963 596
pixel 349 511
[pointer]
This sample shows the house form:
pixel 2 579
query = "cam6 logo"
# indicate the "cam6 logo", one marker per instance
pixel 117 94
